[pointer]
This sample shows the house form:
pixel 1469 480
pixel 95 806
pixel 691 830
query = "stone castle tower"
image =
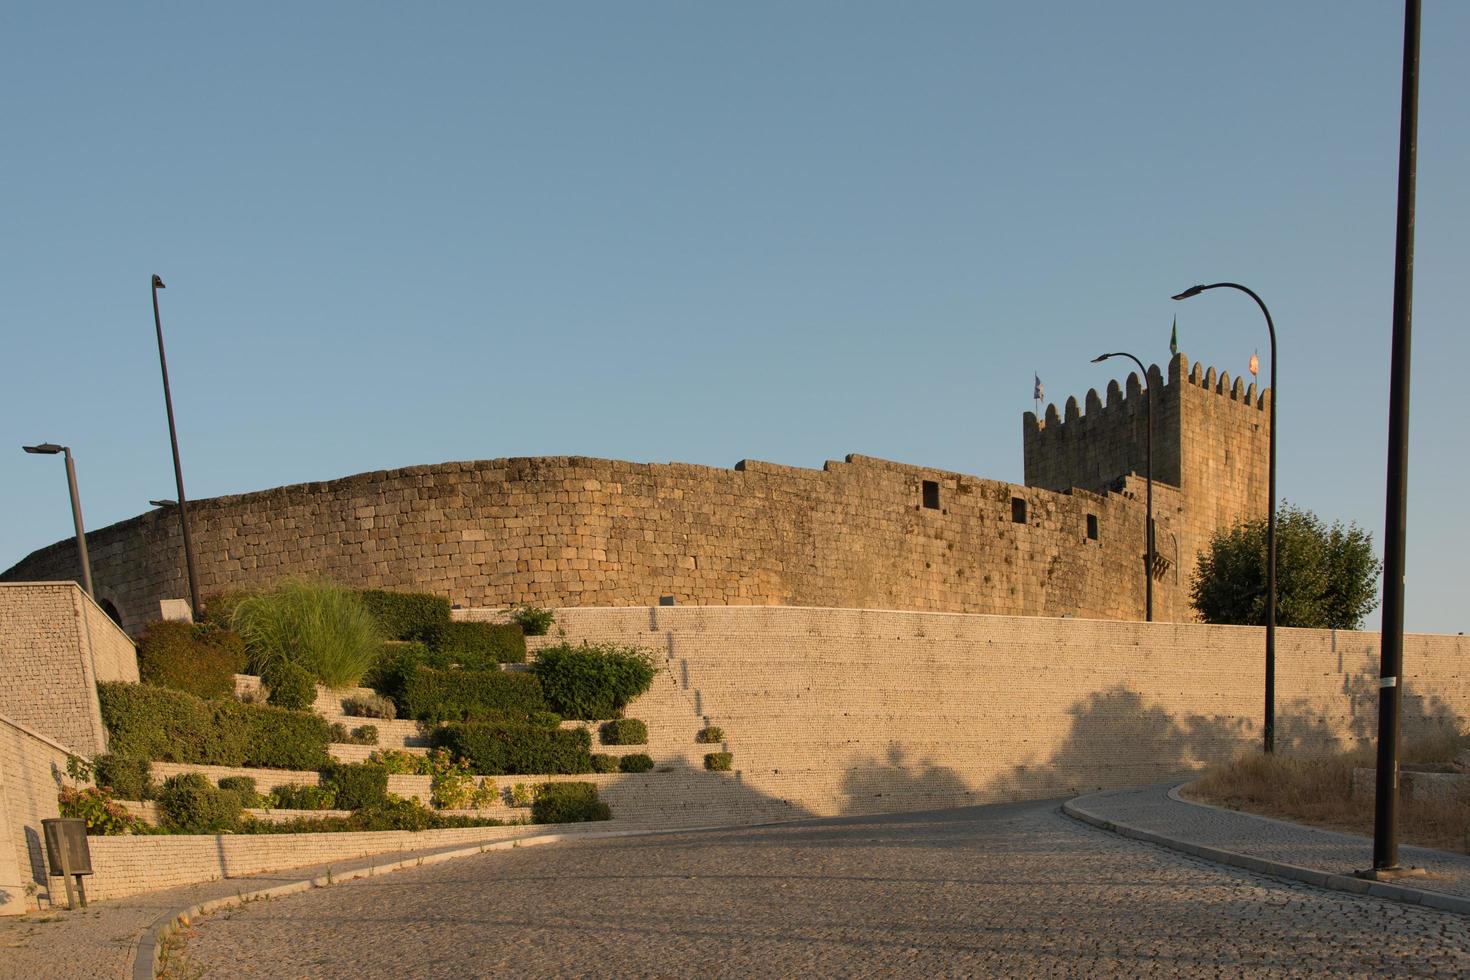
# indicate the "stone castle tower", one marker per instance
pixel 1210 444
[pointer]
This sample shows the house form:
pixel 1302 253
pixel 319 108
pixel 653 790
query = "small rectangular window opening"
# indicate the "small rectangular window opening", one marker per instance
pixel 1092 527
pixel 931 494
pixel 1018 510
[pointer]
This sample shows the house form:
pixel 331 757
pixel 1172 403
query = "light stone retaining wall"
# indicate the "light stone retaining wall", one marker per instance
pixel 31 767
pixel 55 645
pixel 836 711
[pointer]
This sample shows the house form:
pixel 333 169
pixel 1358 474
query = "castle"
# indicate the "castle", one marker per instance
pixel 861 533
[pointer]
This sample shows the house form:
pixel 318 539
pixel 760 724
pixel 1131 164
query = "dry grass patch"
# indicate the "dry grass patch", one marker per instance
pixel 1318 790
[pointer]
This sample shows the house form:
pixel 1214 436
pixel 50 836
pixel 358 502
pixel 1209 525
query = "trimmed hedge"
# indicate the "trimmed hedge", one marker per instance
pixel 568 803
pixel 129 779
pixel 718 761
pixel 293 797
pixel 463 695
pixel 161 725
pixel 602 762
pixel 514 750
pixel 639 762
pixel 592 681
pixel 291 685
pixel 407 615
pixel 396 663
pixel 202 659
pixel 625 731
pixel 190 804
pixel 477 646
pixel 394 815
pixel 356 785
pixel 712 735
pixel 244 788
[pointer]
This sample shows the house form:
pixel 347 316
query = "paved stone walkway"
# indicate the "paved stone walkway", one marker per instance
pixel 99 941
pixel 1151 808
pixel 1017 889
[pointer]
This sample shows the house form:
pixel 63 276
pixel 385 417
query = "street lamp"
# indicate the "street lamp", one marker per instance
pixel 51 449
pixel 173 438
pixel 1270 513
pixel 1148 532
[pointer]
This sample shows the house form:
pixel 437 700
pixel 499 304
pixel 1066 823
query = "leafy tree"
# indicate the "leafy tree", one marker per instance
pixel 1326 577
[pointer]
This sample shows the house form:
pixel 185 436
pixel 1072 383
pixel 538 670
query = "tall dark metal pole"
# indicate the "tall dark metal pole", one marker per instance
pixel 1270 726
pixel 173 438
pixel 76 519
pixel 1385 810
pixel 1148 531
pixel 51 449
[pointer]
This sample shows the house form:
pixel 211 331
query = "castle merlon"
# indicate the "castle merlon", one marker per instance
pixel 1132 393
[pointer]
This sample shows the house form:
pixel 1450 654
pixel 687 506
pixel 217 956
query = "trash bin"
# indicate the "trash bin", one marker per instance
pixel 67 854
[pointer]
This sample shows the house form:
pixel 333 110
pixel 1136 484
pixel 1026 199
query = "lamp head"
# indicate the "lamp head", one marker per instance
pixel 163 503
pixel 158 283
pixel 45 449
pixel 1191 291
pixel 1100 358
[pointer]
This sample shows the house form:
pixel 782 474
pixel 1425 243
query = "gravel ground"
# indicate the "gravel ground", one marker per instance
pixel 1016 889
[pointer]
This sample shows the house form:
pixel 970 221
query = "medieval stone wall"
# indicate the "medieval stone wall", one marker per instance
pixel 560 531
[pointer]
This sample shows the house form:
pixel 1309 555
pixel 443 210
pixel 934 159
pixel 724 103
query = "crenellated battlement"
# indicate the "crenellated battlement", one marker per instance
pixel 1131 396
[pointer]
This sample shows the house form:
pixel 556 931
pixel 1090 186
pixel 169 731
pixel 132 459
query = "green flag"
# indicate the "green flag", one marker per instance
pixel 1174 339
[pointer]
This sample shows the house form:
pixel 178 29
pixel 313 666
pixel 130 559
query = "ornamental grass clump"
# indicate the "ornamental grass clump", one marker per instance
pixel 321 627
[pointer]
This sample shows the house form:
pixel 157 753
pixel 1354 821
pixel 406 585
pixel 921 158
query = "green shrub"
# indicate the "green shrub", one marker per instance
pixel 104 815
pixel 127 778
pixel 520 795
pixel 244 788
pixel 291 685
pixel 457 695
pixel 533 620
pixel 294 797
pixel 638 762
pixel 602 762
pixel 394 815
pixel 323 628
pixel 156 723
pixel 399 762
pixel 219 609
pixel 451 784
pixel 201 659
pixel 363 735
pixel 506 749
pixel 395 664
pixel 625 731
pixel 406 615
pixel 190 804
pixel 568 803
pixel 713 735
pixel 718 761
pixel 591 682
pixel 369 706
pixel 356 785
pixel 478 646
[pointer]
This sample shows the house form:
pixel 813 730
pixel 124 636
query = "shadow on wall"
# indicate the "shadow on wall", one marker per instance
pixel 1116 739
pixel 1301 731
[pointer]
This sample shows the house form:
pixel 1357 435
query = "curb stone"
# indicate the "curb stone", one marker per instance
pixel 147 959
pixel 1310 876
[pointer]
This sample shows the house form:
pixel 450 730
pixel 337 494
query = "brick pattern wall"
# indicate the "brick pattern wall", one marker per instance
pixel 30 766
pixel 576 531
pixel 836 711
pixel 51 638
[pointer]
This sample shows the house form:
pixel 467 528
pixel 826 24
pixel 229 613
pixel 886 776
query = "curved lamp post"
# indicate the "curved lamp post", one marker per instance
pixel 51 449
pixel 1148 531
pixel 173 438
pixel 1270 513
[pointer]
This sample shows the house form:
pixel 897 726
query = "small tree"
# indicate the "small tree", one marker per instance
pixel 1326 577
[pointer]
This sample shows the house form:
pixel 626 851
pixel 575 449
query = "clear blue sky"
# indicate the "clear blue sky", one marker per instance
pixel 400 234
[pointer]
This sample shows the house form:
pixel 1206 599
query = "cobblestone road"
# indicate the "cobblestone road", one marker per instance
pixel 1016 889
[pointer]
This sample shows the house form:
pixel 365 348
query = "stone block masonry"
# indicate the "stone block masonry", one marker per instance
pixel 842 711
pixel 55 645
pixel 576 531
